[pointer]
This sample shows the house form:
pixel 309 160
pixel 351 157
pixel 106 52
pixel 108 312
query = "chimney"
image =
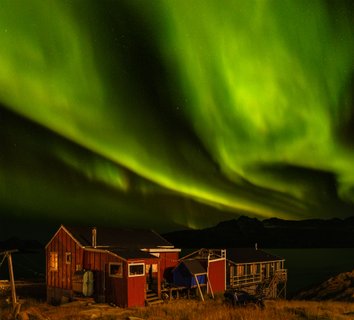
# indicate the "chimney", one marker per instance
pixel 94 237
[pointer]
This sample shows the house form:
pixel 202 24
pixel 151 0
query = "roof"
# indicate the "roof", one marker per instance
pixel 119 237
pixel 248 255
pixel 194 266
pixel 132 254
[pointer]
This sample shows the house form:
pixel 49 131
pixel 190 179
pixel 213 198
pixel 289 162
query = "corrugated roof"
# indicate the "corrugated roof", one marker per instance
pixel 194 266
pixel 247 255
pixel 119 237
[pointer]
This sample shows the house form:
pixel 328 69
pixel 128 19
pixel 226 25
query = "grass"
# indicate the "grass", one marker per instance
pixel 189 310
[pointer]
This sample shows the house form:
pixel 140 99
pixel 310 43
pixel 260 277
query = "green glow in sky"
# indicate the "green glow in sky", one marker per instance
pixel 240 107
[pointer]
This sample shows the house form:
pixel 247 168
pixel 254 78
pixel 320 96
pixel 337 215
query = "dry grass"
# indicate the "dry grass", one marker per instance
pixel 191 310
pixel 274 310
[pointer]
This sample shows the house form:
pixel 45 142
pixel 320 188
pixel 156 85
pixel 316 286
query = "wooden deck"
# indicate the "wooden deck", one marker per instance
pixel 251 279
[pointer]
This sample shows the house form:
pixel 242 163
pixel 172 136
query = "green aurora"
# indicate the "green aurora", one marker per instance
pixel 174 114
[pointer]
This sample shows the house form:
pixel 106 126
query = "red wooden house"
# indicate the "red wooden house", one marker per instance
pixel 118 266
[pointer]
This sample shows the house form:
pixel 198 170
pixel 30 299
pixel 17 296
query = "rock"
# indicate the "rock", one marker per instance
pixel 339 288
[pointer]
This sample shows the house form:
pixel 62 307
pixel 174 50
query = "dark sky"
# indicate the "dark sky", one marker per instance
pixel 174 114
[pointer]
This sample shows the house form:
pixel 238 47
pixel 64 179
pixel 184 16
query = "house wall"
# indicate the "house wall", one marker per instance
pixel 117 288
pixel 59 282
pixel 137 285
pixel 97 262
pixel 217 276
pixel 168 261
pixel 136 291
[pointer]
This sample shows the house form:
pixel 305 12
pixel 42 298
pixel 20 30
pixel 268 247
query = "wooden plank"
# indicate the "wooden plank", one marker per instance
pixel 12 280
pixel 200 290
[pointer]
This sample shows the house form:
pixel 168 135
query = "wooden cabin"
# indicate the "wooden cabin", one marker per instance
pixel 121 266
pixel 256 271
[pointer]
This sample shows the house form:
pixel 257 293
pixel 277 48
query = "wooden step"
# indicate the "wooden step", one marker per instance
pixel 152 298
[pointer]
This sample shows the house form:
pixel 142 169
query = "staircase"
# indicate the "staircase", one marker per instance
pixel 152 298
pixel 269 288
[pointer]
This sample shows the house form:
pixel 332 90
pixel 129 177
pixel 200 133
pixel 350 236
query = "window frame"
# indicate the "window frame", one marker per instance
pixel 68 257
pixel 115 275
pixel 136 264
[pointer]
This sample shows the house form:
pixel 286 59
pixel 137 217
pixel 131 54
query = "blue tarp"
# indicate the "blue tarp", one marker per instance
pixel 184 276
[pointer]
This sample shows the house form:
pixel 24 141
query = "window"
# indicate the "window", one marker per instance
pixel 136 269
pixel 68 257
pixel 116 270
pixel 53 261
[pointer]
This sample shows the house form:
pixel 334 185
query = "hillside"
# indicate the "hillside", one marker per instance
pixel 337 288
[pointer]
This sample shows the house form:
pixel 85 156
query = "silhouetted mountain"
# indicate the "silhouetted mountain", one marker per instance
pixel 269 233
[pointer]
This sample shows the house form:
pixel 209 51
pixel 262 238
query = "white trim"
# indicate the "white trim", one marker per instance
pixel 161 250
pixel 66 230
pixel 219 259
pixel 104 251
pixel 225 273
pixel 52 238
pixel 136 264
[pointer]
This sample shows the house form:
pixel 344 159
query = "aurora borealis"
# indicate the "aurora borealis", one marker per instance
pixel 174 114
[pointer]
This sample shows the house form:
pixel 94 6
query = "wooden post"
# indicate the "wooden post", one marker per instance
pixel 158 279
pixel 7 254
pixel 12 280
pixel 211 289
pixel 200 290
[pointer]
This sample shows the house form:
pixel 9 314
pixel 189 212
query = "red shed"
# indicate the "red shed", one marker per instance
pixel 214 262
pixel 121 266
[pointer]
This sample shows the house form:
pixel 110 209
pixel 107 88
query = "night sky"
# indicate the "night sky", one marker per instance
pixel 175 114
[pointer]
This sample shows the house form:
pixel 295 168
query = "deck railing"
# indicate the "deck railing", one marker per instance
pixel 249 279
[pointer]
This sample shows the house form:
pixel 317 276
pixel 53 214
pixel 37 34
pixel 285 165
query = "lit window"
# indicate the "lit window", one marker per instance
pixel 68 257
pixel 115 270
pixel 53 261
pixel 136 269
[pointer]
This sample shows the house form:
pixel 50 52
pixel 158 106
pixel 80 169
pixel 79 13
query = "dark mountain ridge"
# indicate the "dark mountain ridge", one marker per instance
pixel 269 233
